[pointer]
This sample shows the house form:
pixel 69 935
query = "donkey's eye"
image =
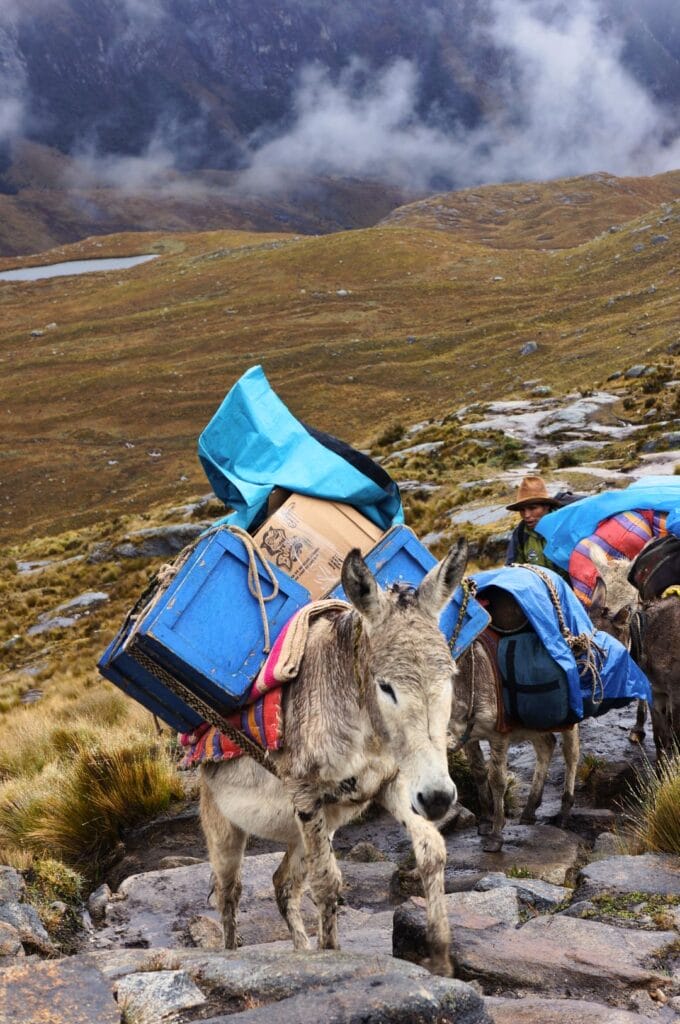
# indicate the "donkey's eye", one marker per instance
pixel 387 689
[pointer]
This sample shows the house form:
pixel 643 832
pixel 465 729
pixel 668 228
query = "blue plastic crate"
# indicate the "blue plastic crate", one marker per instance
pixel 399 557
pixel 203 632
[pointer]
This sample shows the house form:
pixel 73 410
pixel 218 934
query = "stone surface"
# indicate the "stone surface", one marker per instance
pixel 24 918
pixel 555 955
pixel 530 891
pixel 68 991
pixel 153 995
pixel 12 885
pixel 10 941
pixel 161 541
pixel 557 1011
pixel 370 885
pixel 388 999
pixel 546 852
pixel 648 873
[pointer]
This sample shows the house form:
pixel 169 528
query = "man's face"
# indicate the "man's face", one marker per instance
pixel 532 513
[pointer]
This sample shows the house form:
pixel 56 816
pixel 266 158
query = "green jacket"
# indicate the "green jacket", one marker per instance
pixel 526 548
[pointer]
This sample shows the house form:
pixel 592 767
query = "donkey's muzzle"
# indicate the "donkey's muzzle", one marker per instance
pixel 434 803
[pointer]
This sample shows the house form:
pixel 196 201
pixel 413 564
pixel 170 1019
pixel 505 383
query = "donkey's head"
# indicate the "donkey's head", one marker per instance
pixel 409 673
pixel 614 599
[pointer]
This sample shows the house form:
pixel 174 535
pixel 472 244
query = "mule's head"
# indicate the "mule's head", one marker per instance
pixel 614 598
pixel 409 673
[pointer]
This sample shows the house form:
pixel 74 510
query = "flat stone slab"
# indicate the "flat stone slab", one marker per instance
pixel 68 991
pixel 558 1011
pixel 653 873
pixel 157 908
pixel 388 999
pixel 540 851
pixel 555 955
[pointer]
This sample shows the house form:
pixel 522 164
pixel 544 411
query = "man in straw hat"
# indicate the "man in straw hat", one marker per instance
pixel 532 503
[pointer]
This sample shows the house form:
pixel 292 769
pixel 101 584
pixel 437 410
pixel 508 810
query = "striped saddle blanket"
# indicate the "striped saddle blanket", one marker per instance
pixel 620 536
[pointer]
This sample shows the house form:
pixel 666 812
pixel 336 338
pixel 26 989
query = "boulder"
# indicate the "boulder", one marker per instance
pixel 68 991
pixel 530 1010
pixel 540 851
pixel 156 995
pixel 650 873
pixel 553 955
pixel 531 892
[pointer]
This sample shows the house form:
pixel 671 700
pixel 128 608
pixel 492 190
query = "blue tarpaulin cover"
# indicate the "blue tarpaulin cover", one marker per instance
pixel 621 677
pixel 565 527
pixel 253 443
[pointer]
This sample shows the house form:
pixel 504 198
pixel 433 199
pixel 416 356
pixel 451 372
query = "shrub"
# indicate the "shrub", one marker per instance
pixel 654 817
pixel 391 435
pixel 77 811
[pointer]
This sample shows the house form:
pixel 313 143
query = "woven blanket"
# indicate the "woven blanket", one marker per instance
pixel 261 717
pixel 620 536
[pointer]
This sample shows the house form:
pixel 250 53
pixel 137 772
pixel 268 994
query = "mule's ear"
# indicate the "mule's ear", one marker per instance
pixel 598 557
pixel 440 583
pixel 598 600
pixel 359 584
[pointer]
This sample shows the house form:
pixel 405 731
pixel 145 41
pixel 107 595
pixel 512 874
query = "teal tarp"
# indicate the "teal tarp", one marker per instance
pixel 621 677
pixel 253 443
pixel 565 527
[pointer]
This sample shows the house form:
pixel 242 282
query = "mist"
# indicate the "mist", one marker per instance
pixel 564 104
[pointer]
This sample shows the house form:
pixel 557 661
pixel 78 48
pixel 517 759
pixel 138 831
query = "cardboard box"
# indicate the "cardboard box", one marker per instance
pixel 308 539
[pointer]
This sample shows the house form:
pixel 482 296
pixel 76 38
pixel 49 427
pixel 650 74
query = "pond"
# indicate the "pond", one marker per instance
pixel 73 267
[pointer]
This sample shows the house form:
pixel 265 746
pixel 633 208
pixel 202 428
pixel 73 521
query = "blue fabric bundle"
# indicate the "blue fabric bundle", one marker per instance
pixel 254 443
pixel 565 527
pixel 622 680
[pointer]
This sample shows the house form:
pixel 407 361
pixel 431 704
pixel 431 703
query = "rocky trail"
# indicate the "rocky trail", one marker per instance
pixel 561 925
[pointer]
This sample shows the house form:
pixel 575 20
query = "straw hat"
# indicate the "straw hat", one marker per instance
pixel 532 491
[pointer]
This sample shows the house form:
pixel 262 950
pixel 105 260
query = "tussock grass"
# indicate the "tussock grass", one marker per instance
pixel 76 808
pixel 654 817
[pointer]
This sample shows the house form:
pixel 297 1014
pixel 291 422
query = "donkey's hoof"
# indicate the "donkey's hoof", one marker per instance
pixel 440 963
pixel 636 736
pixel 492 844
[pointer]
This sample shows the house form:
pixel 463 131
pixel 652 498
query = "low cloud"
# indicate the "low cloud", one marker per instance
pixel 563 104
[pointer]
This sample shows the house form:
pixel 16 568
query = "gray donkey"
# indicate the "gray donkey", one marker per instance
pixel 475 717
pixel 365 720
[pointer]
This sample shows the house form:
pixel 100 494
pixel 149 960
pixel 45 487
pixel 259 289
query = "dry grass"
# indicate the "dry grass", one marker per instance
pixel 654 819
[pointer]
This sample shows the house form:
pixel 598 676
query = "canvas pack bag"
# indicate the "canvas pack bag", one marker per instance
pixel 535 686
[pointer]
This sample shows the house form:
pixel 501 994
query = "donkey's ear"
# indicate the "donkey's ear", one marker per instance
pixel 440 583
pixel 359 584
pixel 598 600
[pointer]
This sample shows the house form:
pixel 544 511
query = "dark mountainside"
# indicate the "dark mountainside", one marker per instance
pixel 104 103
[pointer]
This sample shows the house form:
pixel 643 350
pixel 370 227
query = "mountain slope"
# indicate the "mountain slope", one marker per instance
pixel 356 330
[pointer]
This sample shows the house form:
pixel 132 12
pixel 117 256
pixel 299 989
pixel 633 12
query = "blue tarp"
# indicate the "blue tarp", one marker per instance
pixel 621 677
pixel 565 527
pixel 253 443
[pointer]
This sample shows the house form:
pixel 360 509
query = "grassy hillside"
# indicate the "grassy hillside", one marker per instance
pixel 109 378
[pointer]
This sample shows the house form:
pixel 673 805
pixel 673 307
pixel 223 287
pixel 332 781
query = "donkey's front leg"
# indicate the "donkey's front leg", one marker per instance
pixel 323 874
pixel 430 853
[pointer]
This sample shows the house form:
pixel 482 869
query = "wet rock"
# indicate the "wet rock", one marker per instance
pixel 160 541
pixel 390 997
pixel 68 991
pixel 530 1010
pixel 528 348
pixel 541 851
pixel 12 885
pixel 155 995
pixel 592 821
pixel 365 853
pixel 24 918
pixel 97 902
pixel 530 891
pixel 609 782
pixel 653 873
pixel 10 941
pixel 555 955
pixel 659 239
pixel 369 885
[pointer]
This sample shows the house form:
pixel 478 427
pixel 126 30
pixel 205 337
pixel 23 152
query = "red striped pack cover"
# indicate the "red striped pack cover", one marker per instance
pixel 261 718
pixel 620 536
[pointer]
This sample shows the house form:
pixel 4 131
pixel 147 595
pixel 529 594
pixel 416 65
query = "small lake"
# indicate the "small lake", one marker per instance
pixel 73 267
